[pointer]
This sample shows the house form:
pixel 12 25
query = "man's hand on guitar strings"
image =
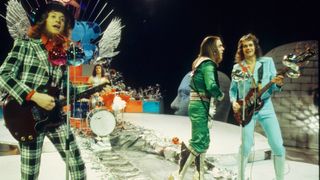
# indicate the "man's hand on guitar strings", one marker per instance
pixel 44 101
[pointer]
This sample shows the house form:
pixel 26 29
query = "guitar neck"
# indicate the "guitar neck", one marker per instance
pixel 267 86
pixel 300 59
pixel 84 94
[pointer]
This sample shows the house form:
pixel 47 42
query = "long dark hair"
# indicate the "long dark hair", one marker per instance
pixel 94 73
pixel 208 48
pixel 249 37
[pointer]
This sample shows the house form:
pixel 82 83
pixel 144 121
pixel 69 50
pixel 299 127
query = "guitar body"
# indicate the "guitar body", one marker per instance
pixel 251 105
pixel 26 121
pixel 19 120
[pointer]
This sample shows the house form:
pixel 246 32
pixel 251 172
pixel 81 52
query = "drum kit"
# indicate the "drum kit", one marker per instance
pixel 90 116
pixel 94 116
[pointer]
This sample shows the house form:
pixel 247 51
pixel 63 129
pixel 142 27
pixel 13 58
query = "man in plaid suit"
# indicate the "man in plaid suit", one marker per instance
pixel 29 67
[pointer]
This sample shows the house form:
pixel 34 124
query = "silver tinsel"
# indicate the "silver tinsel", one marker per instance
pixel 17 20
pixel 110 39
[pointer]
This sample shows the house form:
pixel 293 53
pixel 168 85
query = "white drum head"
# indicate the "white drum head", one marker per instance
pixel 101 122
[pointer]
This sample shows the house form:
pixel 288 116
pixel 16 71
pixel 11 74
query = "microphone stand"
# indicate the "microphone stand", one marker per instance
pixel 242 128
pixel 68 114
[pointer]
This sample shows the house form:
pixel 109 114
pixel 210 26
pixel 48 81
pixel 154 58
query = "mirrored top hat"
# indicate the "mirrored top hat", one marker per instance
pixel 39 14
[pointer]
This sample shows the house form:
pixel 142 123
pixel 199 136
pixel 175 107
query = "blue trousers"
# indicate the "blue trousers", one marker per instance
pixel 270 125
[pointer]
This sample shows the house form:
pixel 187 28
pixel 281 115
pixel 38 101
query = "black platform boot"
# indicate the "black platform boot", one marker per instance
pixel 186 159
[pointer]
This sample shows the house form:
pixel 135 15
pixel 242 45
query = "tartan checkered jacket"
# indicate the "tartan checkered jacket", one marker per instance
pixel 26 68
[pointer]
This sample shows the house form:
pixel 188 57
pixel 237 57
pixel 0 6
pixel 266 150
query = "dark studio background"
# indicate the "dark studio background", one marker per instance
pixel 161 38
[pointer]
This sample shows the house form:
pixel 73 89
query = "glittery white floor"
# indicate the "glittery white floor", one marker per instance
pixel 225 140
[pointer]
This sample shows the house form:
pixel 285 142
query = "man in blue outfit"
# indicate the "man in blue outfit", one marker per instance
pixel 261 71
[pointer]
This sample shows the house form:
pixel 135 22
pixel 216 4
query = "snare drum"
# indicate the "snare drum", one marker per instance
pixel 101 122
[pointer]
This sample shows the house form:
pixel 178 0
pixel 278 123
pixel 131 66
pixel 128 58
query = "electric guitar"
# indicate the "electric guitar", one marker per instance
pixel 253 102
pixel 26 121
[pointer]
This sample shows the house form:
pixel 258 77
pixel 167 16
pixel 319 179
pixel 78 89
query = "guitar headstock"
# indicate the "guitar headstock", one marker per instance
pixel 306 55
pixel 295 61
pixel 300 58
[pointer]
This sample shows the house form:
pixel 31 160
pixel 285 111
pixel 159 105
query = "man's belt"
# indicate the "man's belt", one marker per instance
pixel 194 96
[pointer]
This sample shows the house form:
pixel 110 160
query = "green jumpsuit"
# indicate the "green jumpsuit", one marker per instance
pixel 204 82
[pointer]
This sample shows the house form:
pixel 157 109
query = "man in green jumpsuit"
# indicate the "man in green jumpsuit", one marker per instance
pixel 205 90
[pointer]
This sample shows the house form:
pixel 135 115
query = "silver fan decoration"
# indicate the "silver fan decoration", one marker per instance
pixel 110 39
pixel 239 75
pixel 16 19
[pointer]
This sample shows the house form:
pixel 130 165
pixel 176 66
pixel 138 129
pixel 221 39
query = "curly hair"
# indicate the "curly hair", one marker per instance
pixel 39 28
pixel 249 37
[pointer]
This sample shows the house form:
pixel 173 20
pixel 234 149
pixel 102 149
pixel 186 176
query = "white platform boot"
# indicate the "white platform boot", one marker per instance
pixel 278 163
pixel 199 167
pixel 242 163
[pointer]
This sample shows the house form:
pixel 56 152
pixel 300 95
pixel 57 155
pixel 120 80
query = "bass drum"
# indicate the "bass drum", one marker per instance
pixel 101 122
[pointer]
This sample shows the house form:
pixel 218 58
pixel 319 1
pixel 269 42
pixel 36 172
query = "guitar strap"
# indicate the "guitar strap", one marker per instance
pixel 202 101
pixel 260 75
